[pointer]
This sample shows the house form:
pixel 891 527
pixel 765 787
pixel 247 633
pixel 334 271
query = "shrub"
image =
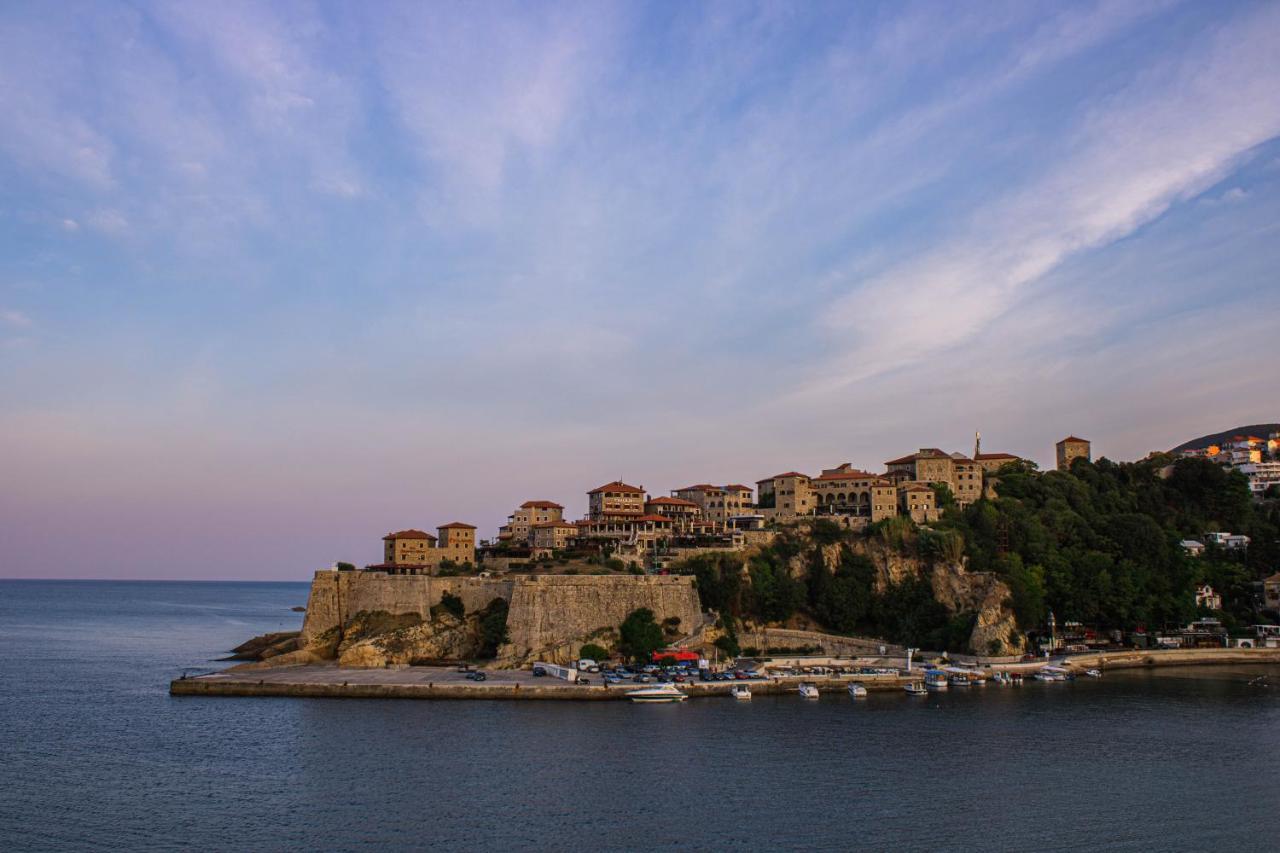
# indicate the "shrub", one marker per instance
pixel 493 627
pixel 591 651
pixel 452 604
pixel 639 635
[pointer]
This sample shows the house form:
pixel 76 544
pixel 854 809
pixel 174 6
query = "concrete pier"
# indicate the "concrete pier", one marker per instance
pixel 331 681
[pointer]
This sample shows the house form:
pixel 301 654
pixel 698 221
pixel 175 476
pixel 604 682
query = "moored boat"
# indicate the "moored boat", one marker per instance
pixel 935 680
pixel 857 691
pixel 660 693
pixel 808 691
pixel 1093 673
pixel 915 688
pixel 741 692
pixel 958 680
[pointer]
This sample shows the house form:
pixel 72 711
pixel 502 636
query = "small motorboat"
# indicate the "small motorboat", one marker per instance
pixel 959 680
pixel 1045 676
pixel 915 688
pixel 660 693
pixel 741 692
pixel 977 679
pixel 1000 677
pixel 808 691
pixel 1093 673
pixel 857 691
pixel 935 680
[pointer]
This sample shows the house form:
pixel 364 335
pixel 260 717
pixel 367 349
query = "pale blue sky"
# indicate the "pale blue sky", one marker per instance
pixel 277 278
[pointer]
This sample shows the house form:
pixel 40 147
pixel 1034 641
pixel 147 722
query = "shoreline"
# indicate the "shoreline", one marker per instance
pixel 332 682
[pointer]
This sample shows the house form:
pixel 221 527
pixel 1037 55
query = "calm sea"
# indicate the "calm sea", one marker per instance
pixel 95 754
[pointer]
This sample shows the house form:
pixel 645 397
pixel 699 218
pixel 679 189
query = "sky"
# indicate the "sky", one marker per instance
pixel 276 279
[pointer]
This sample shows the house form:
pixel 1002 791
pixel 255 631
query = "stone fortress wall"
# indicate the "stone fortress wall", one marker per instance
pixel 547 612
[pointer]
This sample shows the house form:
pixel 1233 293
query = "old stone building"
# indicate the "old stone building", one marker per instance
pixel 785 496
pixel 718 504
pixel 1071 449
pixel 613 500
pixel 413 552
pixel 457 542
pixel 519 524
pixel 930 465
pixel 685 515
pixel 552 535
pixel 918 501
pixel 845 490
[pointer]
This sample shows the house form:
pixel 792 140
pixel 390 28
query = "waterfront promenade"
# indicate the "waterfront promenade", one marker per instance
pixel 429 682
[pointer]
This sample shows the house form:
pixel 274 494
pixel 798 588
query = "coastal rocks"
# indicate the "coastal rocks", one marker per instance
pixel 266 646
pixel 446 637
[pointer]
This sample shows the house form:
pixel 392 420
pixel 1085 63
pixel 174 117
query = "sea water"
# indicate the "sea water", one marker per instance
pixel 94 753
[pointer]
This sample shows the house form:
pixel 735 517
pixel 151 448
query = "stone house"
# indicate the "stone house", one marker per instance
pixel 520 523
pixel 552 535
pixel 616 499
pixel 962 475
pixel 785 496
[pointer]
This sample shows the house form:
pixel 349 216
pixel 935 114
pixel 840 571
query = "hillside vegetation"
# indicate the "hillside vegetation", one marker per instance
pixel 1098 544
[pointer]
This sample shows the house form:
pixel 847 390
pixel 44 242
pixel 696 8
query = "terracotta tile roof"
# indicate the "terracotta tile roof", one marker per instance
pixel 456 525
pixel 540 505
pixel 701 487
pixel 917 489
pixel 1073 438
pixel 654 518
pixel 780 476
pixel 982 456
pixel 617 486
pixel 737 487
pixel 848 474
pixel 408 534
pixel 546 524
pixel 670 502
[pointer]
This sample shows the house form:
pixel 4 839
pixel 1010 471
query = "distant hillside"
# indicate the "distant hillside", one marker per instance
pixel 1260 430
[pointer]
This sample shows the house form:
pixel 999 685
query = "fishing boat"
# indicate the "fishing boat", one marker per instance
pixel 959 679
pixel 935 680
pixel 808 691
pixel 660 693
pixel 741 692
pixel 915 688
pixel 857 691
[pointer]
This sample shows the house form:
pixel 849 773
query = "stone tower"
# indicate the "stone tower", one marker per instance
pixel 1070 449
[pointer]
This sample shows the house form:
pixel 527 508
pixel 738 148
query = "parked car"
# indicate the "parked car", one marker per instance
pixel 643 678
pixel 476 675
pixel 539 671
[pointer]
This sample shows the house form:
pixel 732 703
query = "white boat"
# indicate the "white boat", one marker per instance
pixel 959 680
pixel 977 678
pixel 1045 676
pixel 660 693
pixel 1093 673
pixel 808 691
pixel 915 688
pixel 935 680
pixel 741 692
pixel 857 691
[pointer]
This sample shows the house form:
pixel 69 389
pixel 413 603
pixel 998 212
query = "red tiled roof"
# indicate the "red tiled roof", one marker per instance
pixel 982 456
pixel 546 524
pixel 616 486
pixel 456 525
pixel 701 487
pixel 780 476
pixel 848 474
pixel 670 502
pixel 408 534
pixel 1073 438
pixel 737 487
pixel 540 505
pixel 654 518
pixel 917 489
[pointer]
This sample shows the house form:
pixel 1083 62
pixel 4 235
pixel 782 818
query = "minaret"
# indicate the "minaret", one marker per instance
pixel 977 445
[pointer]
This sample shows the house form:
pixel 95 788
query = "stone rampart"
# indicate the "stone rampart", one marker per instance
pixel 548 614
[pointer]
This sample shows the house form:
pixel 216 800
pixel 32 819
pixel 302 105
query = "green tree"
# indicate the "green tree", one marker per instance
pixel 591 651
pixel 493 627
pixel 639 635
pixel 452 604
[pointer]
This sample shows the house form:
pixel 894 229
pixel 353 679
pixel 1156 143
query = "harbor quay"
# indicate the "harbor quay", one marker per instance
pixel 438 682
